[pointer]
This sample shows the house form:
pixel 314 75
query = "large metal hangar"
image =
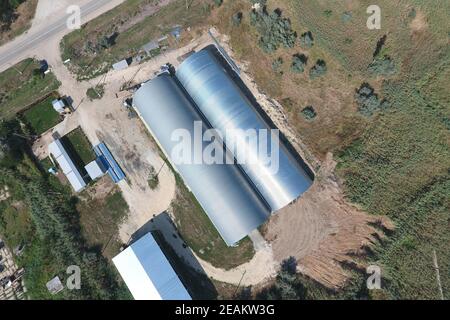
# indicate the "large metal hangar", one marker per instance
pixel 238 197
pixel 223 103
pixel 223 192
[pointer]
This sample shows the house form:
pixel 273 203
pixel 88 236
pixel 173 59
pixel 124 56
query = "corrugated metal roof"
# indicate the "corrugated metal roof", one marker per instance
pixel 224 104
pixel 224 193
pixel 147 272
pixel 67 166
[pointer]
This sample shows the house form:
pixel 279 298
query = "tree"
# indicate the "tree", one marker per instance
pixel 277 64
pixel 318 70
pixel 307 40
pixel 275 30
pixel 309 113
pixel 237 19
pixel 298 63
pixel 368 101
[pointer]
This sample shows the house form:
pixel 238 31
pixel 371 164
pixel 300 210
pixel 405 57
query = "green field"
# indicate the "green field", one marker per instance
pixel 91 57
pixel 20 87
pixel 79 147
pixel 100 220
pixel 41 117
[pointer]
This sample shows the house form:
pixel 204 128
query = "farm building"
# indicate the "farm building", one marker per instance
pixel 147 272
pixel 60 155
pixel 237 197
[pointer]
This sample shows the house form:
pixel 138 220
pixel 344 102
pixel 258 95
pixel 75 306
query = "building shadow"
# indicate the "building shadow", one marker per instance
pixel 180 256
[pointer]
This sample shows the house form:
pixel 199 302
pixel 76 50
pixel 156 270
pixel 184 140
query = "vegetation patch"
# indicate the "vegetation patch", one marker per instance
pixel 318 70
pixel 200 234
pixel 368 101
pixel 274 29
pixel 41 117
pixel 100 218
pixel 96 92
pixel 79 147
pixel 15 18
pixel 309 113
pixel 47 225
pixel 299 62
pixel 153 180
pixel 21 86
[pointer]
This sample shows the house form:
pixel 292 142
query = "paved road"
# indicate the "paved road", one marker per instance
pixel 35 38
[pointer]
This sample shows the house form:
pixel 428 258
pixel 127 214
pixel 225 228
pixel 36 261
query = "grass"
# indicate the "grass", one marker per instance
pixel 41 117
pixel 87 64
pixel 200 234
pixel 100 220
pixel 20 87
pixel 79 147
pixel 96 92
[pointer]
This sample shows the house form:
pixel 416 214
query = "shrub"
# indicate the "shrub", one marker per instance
pixel 218 3
pixel 153 180
pixel 309 113
pixel 277 64
pixel 328 13
pixel 382 66
pixel 96 92
pixel 318 70
pixel 275 30
pixel 368 101
pixel 237 18
pixel 346 16
pixel 307 40
pixel 298 63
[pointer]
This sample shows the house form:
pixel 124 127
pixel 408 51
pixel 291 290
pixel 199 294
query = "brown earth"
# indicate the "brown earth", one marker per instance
pixel 322 230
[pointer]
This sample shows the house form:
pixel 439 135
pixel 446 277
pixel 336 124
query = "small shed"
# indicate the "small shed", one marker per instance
pixel 149 47
pixel 59 105
pixel 54 286
pixel 95 169
pixel 121 65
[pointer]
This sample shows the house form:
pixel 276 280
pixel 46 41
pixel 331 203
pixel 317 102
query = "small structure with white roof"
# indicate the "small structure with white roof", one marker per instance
pixel 60 155
pixel 147 272
pixel 59 105
pixel 95 169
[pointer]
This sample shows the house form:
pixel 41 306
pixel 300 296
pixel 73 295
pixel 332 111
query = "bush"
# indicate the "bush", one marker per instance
pixel 153 180
pixel 96 92
pixel 298 63
pixel 275 30
pixel 277 64
pixel 368 101
pixel 382 66
pixel 346 16
pixel 218 3
pixel 307 40
pixel 319 69
pixel 237 18
pixel 309 113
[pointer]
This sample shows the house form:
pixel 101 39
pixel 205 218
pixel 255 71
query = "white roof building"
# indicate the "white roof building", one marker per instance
pixel 122 64
pixel 95 169
pixel 67 166
pixel 147 272
pixel 58 105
